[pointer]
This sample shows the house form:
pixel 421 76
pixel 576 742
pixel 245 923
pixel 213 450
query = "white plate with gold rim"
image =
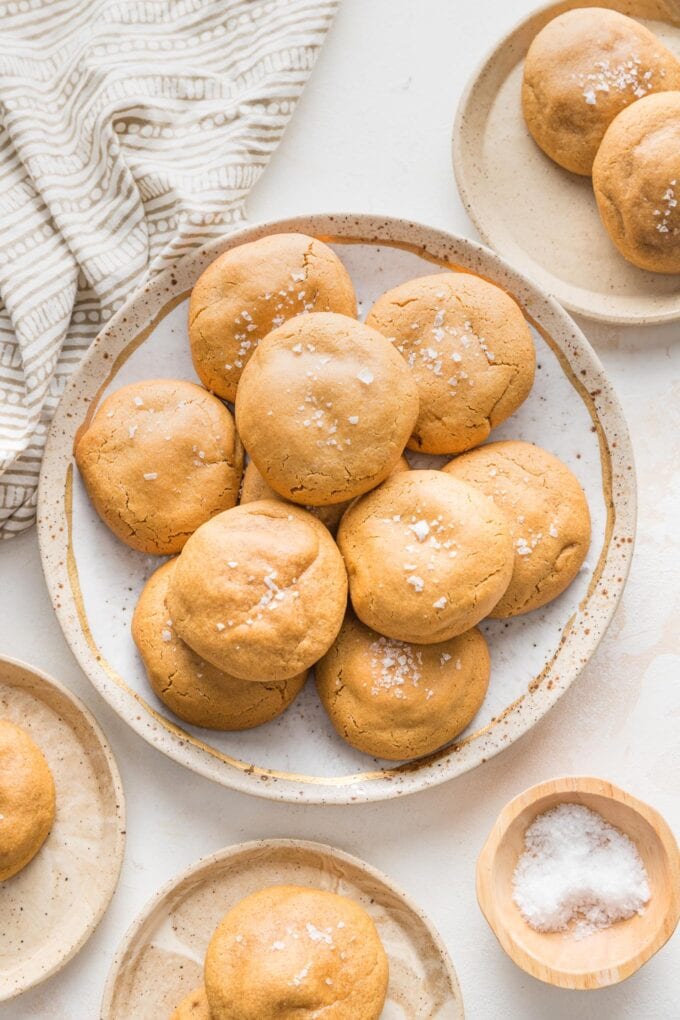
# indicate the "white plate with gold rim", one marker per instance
pixel 161 957
pixel 51 907
pixel 95 580
pixel 531 211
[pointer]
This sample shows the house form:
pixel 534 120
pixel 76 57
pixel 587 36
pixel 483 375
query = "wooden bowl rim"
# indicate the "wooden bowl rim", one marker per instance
pixel 667 919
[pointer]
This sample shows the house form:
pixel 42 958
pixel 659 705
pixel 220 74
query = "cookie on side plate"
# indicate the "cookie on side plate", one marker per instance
pixel 289 951
pixel 192 688
pixel 27 799
pixel 547 514
pixel 253 288
pixel 398 700
pixel 584 68
pixel 193 1006
pixel 158 459
pixel 636 178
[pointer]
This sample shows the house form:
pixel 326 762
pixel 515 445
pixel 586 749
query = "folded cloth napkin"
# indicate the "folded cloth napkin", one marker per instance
pixel 130 132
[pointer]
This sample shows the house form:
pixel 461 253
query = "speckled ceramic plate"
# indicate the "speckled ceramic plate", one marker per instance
pixel 542 218
pixel 50 908
pixel 161 958
pixel 95 580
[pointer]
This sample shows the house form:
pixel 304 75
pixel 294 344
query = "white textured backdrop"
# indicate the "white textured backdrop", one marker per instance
pixel 371 133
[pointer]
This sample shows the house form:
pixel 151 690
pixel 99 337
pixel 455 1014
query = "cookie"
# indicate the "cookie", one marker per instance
pixel 193 689
pixel 397 700
pixel 547 514
pixel 259 591
pixel 636 178
pixel 27 799
pixel 583 69
pixel 325 408
pixel 427 559
pixel 250 290
pixel 254 487
pixel 193 1006
pixel 158 459
pixel 290 951
pixel 469 349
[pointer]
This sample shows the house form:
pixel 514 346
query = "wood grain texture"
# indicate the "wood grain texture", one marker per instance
pixel 610 955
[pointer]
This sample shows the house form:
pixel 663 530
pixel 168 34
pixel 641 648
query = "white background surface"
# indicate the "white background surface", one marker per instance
pixel 371 134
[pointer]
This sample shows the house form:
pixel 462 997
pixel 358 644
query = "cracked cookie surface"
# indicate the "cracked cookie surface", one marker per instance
pixel 398 700
pixel 192 688
pixel 27 799
pixel 158 459
pixel 426 559
pixel 249 291
pixel 254 487
pixel 296 953
pixel 547 514
pixel 469 349
pixel 581 70
pixel 259 591
pixel 636 178
pixel 325 408
pixel 193 1006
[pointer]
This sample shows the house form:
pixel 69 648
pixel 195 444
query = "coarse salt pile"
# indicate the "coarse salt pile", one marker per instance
pixel 577 867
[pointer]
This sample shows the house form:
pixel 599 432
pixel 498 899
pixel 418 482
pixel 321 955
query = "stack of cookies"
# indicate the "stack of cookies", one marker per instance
pixel 325 407
pixel 601 97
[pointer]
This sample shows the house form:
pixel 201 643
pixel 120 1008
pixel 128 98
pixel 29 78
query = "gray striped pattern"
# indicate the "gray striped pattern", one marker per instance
pixel 130 132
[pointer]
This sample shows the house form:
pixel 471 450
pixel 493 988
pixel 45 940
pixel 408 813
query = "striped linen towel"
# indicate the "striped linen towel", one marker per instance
pixel 130 132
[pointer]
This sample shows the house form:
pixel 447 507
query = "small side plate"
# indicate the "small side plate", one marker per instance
pixel 542 218
pixel 51 907
pixel 161 957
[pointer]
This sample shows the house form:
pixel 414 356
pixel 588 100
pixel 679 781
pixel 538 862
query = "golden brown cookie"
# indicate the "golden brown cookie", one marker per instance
pixel 636 177
pixel 547 514
pixel 259 591
pixel 158 459
pixel 427 560
pixel 324 408
pixel 469 349
pixel 581 70
pixel 191 687
pixel 397 700
pixel 194 1006
pixel 254 487
pixel 27 799
pixel 250 290
pixel 292 952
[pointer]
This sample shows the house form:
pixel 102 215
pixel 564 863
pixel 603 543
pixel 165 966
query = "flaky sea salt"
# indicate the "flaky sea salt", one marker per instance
pixel 576 867
pixel 421 529
pixel 394 664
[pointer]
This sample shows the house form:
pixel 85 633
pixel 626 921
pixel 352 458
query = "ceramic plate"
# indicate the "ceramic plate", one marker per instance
pixel 542 218
pixel 95 580
pixel 161 958
pixel 51 907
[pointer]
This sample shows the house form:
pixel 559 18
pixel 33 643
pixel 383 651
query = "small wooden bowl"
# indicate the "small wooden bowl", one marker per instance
pixel 608 956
